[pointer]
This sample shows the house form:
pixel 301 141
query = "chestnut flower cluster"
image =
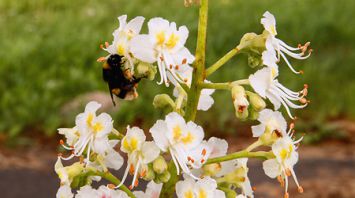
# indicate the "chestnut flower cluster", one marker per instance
pixel 179 146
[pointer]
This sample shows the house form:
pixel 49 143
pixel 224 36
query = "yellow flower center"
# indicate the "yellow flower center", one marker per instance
pixel 202 193
pixel 189 194
pixel 131 144
pixel 177 132
pixel 89 119
pixel 97 127
pixel 273 30
pixel 120 50
pixel 188 138
pixel 172 41
pixel 160 38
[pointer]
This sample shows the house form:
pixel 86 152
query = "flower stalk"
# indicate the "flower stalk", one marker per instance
pixel 242 154
pixel 198 75
pixel 222 61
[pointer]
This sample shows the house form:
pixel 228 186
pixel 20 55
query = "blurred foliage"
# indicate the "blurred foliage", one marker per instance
pixel 49 50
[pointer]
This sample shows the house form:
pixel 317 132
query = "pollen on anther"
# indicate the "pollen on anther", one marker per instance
pixel 111 186
pixel 286 195
pixel 184 61
pixel 130 187
pixel 202 161
pixel 176 67
pixel 136 183
pixel 203 152
pixel 301 72
pixel 171 66
pixel 131 169
pixel 61 142
pixel 300 189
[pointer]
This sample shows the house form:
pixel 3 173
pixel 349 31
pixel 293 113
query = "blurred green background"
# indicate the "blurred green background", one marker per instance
pixel 49 50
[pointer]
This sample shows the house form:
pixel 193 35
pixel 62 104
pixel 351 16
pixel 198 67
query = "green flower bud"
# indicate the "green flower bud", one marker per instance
pixel 164 102
pixel 256 101
pixel 160 165
pixel 150 175
pixel 164 177
pixel 255 60
pixel 253 115
pixel 147 70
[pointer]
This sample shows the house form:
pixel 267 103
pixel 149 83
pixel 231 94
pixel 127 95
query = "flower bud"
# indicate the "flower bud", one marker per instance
pixel 160 165
pixel 164 177
pixel 253 115
pixel 256 101
pixel 269 137
pixel 150 175
pixel 240 102
pixel 145 70
pixel 164 102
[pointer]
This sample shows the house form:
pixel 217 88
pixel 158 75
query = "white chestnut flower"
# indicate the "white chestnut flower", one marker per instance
pixel 206 187
pixel 102 191
pixel 270 120
pixel 90 133
pixel 179 138
pixel 152 191
pixel 140 153
pixel 285 150
pixel 265 84
pixel 164 44
pixel 122 37
pixel 244 185
pixel 280 47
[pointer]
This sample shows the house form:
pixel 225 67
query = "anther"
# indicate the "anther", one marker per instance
pixel 184 61
pixel 288 173
pixel 143 173
pixel 203 152
pixel 171 66
pixel 131 169
pixel 101 46
pixel 101 59
pixel 111 186
pixel 292 125
pixel 61 142
pixel 202 161
pixel 106 44
pixel 130 187
pixel 303 100
pixel 176 67
pixel 301 72
pixel 286 195
pixel 136 183
pixel 300 189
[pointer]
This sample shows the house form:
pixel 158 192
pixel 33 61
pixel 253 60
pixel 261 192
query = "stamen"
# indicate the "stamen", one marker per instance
pixel 101 59
pixel 202 161
pixel 131 169
pixel 203 152
pixel 161 58
pixel 286 195
pixel 111 186
pixel 143 173
pixel 288 172
pixel 171 66
pixel 136 183
pixel 101 46
pixel 300 189
pixel 176 67
pixel 106 44
pixel 184 61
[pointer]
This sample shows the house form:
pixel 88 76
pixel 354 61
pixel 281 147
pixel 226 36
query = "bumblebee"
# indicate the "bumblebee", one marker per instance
pixel 120 81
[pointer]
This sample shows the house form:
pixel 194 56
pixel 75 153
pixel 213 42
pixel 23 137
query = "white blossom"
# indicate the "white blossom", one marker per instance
pixel 206 187
pixel 274 44
pixel 270 120
pixel 140 153
pixel 179 138
pixel 265 84
pixel 164 44
pixel 123 35
pixel 285 150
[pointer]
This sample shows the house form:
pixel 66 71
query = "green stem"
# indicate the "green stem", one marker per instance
pixel 198 75
pixel 226 85
pixel 168 188
pixel 242 154
pixel 108 176
pixel 254 145
pixel 222 61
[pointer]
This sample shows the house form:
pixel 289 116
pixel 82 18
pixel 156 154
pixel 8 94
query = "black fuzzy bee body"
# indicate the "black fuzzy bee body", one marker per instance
pixel 120 82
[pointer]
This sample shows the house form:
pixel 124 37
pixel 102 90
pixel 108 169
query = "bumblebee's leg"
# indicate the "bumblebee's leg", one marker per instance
pixel 113 101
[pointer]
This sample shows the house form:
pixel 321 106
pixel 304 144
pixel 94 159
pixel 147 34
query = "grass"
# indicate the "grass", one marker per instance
pixel 49 50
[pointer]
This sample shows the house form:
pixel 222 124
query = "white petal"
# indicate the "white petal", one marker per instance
pixel 219 194
pixel 269 23
pixel 272 168
pixel 101 145
pixel 183 187
pixel 64 192
pixel 106 121
pixel 150 152
pixel 205 102
pixel 258 130
pixel 87 192
pixel 92 106
pixel 113 160
pixel 143 49
pixel 158 132
pixel 155 26
pixel 275 101
pixel 219 147
pixel 261 81
pixel 135 25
